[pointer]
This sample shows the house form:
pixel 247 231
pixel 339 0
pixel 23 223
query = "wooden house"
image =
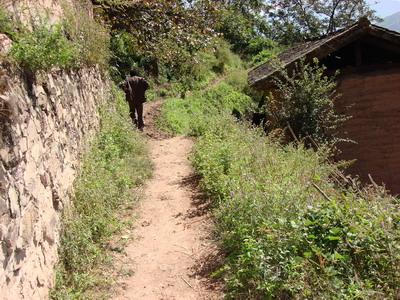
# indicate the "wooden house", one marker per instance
pixel 368 57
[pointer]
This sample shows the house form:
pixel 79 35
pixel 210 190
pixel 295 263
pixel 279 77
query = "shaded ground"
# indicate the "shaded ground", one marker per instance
pixel 172 248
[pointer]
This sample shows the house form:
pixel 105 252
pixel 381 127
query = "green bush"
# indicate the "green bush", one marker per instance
pixel 305 101
pixel 116 162
pixel 265 55
pixel 283 238
pixel 226 60
pixel 43 48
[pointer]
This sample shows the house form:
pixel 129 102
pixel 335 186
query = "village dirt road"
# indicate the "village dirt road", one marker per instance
pixel 172 245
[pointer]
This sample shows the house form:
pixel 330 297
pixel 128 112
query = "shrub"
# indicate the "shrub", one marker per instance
pixel 43 48
pixel 226 60
pixel 238 79
pixel 116 162
pixel 288 231
pixel 305 101
pixel 236 29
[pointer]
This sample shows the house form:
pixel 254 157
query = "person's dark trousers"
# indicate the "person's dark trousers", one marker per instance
pixel 139 111
pixel 132 113
pixel 136 114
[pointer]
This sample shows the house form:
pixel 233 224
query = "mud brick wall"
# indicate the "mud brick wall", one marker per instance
pixel 373 100
pixel 46 122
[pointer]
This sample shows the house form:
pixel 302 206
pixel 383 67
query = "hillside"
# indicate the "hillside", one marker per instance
pixel 392 22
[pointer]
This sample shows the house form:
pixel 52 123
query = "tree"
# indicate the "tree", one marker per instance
pixel 295 20
pixel 162 32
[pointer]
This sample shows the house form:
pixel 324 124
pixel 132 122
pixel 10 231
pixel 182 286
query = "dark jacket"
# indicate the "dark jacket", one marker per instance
pixel 135 89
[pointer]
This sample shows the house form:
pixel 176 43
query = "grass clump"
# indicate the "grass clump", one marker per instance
pixel 283 238
pixel 116 162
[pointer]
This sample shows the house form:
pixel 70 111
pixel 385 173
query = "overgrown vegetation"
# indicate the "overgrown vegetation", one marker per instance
pixel 75 42
pixel 291 225
pixel 288 231
pixel 116 162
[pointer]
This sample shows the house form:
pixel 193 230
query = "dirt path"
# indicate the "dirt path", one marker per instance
pixel 172 241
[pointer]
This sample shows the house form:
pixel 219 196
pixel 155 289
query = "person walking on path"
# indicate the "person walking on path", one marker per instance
pixel 135 88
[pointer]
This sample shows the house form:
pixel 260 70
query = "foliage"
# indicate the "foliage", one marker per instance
pixel 258 44
pixel 124 56
pixel 262 50
pixel 243 25
pixel 293 21
pixel 165 33
pixel 305 101
pixel 43 48
pixel 284 238
pixel 89 36
pixel 236 28
pixel 116 162
pixel 284 21
pixel 181 70
pixel 192 115
pixel 205 66
pixel 6 25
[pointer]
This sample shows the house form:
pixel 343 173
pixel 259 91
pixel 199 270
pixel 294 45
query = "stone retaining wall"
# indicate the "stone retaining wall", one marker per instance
pixel 45 124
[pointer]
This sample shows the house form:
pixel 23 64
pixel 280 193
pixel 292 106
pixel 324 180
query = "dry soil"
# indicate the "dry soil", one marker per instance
pixel 172 245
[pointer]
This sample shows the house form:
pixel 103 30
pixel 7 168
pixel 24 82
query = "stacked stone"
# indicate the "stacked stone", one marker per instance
pixel 46 122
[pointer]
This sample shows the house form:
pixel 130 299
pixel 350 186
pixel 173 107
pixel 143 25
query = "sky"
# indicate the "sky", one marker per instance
pixel 385 8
